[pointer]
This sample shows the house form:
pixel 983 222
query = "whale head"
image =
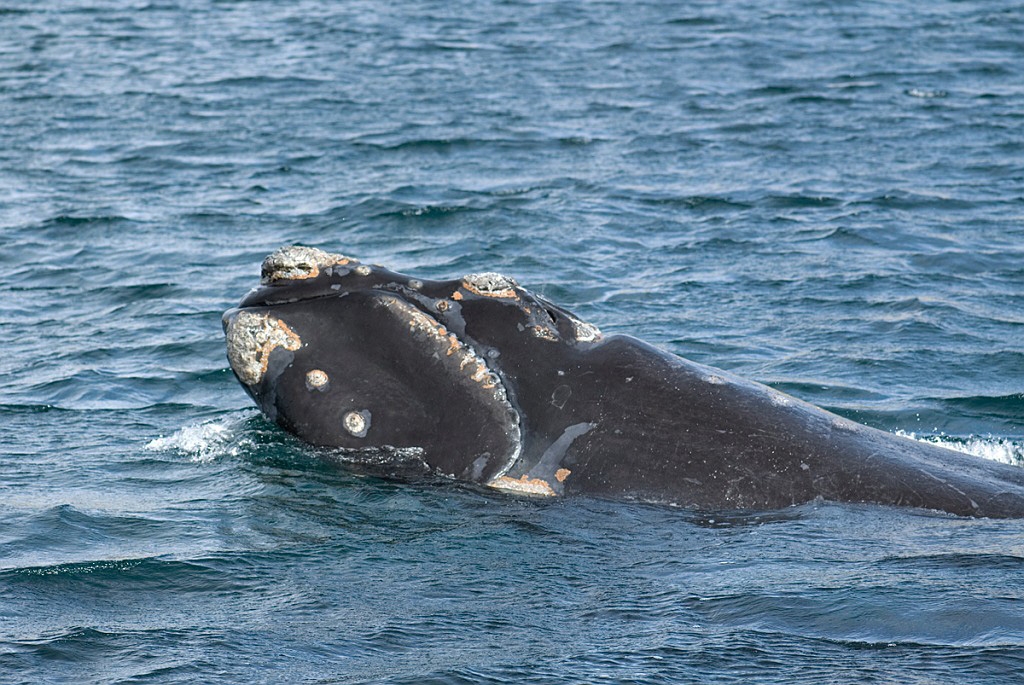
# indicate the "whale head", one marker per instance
pixel 355 356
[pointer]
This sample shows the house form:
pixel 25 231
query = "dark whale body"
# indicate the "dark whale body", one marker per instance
pixel 478 379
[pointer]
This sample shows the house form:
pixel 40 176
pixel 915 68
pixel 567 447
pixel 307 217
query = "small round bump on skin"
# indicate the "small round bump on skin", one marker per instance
pixel 545 333
pixel 416 284
pixel 357 423
pixel 317 380
pixel 442 306
pixel 362 270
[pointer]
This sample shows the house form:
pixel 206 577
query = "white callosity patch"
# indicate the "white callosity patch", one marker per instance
pixel 548 475
pixel 545 333
pixel 296 262
pixel 317 380
pixel 523 485
pixel 585 332
pixel 357 423
pixel 490 284
pixel 251 337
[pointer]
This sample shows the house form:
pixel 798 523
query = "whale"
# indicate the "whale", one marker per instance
pixel 477 379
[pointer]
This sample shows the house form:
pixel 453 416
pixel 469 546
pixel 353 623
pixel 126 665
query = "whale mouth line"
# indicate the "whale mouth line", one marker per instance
pixel 470 363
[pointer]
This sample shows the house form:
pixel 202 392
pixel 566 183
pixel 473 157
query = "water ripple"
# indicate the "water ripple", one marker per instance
pixel 823 198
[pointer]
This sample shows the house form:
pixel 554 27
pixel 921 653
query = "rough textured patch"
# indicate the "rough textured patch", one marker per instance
pixel 317 380
pixel 490 284
pixel 585 332
pixel 251 337
pixel 524 485
pixel 296 262
pixel 357 423
pixel 545 333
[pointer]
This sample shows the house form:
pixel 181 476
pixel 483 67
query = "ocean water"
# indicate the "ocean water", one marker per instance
pixel 828 198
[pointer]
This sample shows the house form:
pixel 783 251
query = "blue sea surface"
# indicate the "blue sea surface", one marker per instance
pixel 825 197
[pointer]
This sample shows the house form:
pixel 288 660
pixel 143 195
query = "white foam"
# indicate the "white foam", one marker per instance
pixel 1003 450
pixel 926 93
pixel 205 442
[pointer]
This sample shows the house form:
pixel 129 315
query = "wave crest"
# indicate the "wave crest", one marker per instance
pixel 1003 450
pixel 205 442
